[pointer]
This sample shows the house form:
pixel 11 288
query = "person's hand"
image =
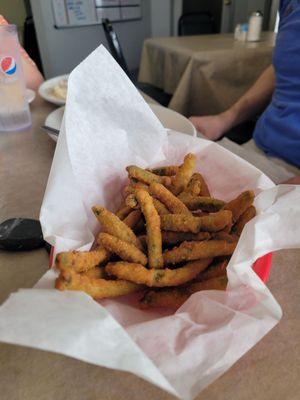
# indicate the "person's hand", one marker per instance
pixel 293 181
pixel 214 126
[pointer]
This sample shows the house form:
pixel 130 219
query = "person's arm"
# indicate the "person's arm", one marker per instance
pixel 255 100
pixel 293 181
pixel 250 104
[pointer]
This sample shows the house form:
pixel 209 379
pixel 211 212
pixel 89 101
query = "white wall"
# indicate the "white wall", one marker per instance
pixel 62 49
pixel 239 11
pixel 177 12
pixel 160 17
pixel 227 17
pixel 14 12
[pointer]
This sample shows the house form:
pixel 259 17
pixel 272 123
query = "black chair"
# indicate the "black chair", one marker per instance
pixel 197 23
pixel 115 48
pixel 114 45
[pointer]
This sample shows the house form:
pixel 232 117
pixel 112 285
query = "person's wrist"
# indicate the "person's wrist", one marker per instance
pixel 229 117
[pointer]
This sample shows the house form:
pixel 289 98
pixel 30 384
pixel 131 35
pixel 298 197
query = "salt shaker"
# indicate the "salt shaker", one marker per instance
pixel 237 32
pixel 255 27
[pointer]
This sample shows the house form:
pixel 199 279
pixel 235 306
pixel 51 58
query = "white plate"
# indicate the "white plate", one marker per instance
pixel 30 95
pixel 169 119
pixel 46 90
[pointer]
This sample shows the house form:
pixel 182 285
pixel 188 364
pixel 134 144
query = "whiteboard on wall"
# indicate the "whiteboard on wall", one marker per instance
pixel 72 13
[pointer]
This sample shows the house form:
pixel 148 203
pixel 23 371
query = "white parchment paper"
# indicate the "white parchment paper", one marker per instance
pixel 107 125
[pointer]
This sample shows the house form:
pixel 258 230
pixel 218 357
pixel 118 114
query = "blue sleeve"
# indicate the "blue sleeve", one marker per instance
pixel 282 6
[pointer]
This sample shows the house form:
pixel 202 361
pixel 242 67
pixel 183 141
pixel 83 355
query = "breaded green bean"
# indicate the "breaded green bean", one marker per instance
pixel 168 170
pixel 160 207
pixel 175 205
pixel 146 176
pixel 204 188
pixel 175 297
pixel 215 270
pixel 216 222
pixel 189 251
pixel 156 278
pixel 96 288
pixel 97 272
pixel 229 237
pixel 133 204
pixel 243 219
pixel 126 251
pixel 114 226
pixel 81 261
pixel 204 203
pixel 180 223
pixel 131 188
pixel 152 218
pixel 227 228
pixel 240 204
pixel 123 211
pixel 184 174
pixel 169 237
pixel 185 223
pixel 194 185
pixel 133 219
pixel 131 201
pixel 143 240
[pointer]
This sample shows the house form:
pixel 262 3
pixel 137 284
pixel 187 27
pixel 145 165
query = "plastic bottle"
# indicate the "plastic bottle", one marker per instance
pixel 255 27
pixel 14 109
pixel 237 32
pixel 243 33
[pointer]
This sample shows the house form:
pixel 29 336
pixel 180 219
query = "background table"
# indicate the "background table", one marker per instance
pixel 205 74
pixel 269 371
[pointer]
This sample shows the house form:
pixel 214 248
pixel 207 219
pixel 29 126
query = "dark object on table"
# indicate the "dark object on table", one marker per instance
pixel 196 23
pixel 115 48
pixel 19 234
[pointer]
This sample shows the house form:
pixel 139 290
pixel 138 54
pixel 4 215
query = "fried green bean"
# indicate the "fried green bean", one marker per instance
pixel 96 288
pixel 175 297
pixel 185 223
pixel 243 219
pixel 204 188
pixel 147 177
pixel 175 205
pixel 81 261
pixel 152 218
pixel 126 251
pixel 169 237
pixel 189 251
pixel 204 203
pixel 157 278
pixel 168 170
pixel 240 204
pixel 114 226
pixel 194 185
pixel 133 219
pixel 184 174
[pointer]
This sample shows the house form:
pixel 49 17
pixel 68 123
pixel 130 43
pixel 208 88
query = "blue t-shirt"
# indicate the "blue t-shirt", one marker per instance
pixel 278 130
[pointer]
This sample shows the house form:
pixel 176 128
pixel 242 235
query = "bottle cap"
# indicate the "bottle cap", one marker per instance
pixel 257 13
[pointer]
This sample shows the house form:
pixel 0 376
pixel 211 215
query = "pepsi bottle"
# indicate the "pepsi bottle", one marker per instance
pixel 14 109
